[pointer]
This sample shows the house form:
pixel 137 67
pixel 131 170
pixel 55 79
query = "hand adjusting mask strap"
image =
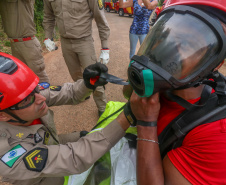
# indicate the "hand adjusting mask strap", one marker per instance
pixel 109 78
pixel 183 47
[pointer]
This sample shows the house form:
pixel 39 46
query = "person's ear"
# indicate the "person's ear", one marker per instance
pixel 4 116
pixel 218 67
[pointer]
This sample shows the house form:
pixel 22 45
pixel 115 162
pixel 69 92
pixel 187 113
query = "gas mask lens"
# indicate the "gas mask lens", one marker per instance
pixel 178 50
pixel 180 44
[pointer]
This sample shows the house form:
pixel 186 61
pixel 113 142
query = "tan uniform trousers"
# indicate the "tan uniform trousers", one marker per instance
pixel 78 54
pixel 30 52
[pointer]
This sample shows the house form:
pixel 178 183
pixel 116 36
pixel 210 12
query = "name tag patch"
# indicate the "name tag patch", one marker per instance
pixel 13 155
pixel 35 160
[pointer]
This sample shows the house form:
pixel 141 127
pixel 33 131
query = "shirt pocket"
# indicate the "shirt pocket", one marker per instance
pixel 76 7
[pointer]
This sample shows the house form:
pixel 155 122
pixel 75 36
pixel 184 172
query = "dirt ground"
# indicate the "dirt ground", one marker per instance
pixel 85 115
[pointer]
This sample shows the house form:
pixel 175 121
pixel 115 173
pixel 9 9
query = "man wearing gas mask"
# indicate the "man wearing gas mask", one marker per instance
pixel 179 101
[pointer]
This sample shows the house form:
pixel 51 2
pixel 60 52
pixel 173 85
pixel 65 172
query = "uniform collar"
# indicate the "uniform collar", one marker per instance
pixel 18 132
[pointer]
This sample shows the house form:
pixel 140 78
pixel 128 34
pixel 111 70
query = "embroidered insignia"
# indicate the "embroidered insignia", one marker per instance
pixel 46 138
pixel 20 135
pixel 43 85
pixel 35 160
pixel 37 138
pixel 100 4
pixel 13 155
pixel 55 88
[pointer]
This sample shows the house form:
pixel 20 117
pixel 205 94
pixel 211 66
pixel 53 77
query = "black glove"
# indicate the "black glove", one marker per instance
pixel 93 71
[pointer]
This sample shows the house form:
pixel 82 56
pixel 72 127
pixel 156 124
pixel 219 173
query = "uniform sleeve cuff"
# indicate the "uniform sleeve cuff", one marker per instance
pixel 104 44
pixel 113 132
pixel 84 89
pixel 48 35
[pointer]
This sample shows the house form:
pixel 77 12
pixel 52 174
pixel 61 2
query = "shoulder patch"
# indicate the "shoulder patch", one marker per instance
pixel 43 85
pixel 100 4
pixel 13 155
pixel 55 88
pixel 35 160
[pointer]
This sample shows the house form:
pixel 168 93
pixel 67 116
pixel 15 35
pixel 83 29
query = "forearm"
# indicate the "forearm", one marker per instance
pixel 150 5
pixel 104 44
pixel 149 163
pixel 103 28
pixel 69 94
pixel 48 20
pixel 121 119
pixel 101 22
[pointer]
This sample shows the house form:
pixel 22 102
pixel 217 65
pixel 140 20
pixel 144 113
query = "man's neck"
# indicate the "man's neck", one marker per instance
pixel 190 93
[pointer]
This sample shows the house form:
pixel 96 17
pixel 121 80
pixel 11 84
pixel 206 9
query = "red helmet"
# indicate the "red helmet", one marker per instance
pixel 219 4
pixel 17 80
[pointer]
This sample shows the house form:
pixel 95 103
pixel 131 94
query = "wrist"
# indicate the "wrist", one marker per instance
pixel 147 132
pixel 104 43
pixel 147 124
pixel 124 123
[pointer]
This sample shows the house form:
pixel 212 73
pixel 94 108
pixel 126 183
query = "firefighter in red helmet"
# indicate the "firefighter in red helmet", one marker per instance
pixel 181 139
pixel 31 151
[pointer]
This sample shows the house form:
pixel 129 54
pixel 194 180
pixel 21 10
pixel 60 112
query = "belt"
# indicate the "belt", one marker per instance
pixel 22 39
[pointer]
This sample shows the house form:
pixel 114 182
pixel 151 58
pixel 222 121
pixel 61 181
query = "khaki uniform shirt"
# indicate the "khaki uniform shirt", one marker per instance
pixel 74 19
pixel 21 148
pixel 18 18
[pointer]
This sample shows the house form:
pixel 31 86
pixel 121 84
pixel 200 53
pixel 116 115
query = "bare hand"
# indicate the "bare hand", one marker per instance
pixel 145 109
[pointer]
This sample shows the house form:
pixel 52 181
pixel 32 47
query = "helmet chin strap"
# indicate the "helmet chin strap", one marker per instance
pixel 18 120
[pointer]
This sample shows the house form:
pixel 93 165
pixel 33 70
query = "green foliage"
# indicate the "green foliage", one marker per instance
pixel 38 15
pixel 160 2
pixel 3 40
pixel 1 32
pixel 7 43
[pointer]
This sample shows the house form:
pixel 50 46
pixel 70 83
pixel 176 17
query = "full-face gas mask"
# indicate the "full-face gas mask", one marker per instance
pixel 183 47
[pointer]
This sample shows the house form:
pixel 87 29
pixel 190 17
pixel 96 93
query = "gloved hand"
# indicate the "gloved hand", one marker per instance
pixel 50 45
pixel 92 71
pixel 104 56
